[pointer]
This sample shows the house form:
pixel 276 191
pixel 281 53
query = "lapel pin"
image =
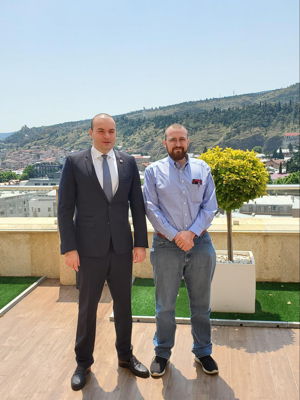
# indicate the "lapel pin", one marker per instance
pixel 121 160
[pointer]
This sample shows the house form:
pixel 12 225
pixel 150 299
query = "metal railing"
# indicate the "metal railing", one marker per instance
pixel 292 190
pixel 272 190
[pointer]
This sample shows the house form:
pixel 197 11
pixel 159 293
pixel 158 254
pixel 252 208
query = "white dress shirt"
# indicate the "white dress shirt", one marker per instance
pixel 112 163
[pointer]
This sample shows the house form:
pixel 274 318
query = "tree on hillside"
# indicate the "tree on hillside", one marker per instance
pixel 257 149
pixel 275 154
pixel 293 165
pixel 280 155
pixel 28 172
pixel 6 176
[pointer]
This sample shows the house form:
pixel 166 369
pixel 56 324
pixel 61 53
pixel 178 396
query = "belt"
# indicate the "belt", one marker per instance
pixel 164 237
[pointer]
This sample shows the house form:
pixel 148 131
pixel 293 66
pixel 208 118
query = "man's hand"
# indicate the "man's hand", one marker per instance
pixel 184 240
pixel 139 254
pixel 72 259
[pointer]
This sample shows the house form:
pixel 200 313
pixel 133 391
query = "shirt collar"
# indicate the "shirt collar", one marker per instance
pixel 97 154
pixel 176 165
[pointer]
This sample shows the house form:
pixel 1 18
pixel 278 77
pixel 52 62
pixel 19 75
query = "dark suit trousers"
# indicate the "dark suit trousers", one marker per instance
pixel 116 269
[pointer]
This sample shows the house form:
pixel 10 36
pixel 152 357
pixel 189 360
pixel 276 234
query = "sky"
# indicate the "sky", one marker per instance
pixel 67 60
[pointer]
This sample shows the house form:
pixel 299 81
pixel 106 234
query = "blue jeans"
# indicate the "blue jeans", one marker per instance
pixel 197 266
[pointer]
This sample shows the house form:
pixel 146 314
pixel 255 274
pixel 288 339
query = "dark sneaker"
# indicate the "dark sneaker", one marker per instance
pixel 208 364
pixel 158 366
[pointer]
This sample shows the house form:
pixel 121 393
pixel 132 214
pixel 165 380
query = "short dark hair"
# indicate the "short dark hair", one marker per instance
pixel 175 126
pixel 101 115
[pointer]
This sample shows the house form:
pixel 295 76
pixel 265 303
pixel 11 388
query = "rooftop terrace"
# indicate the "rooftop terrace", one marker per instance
pixel 37 359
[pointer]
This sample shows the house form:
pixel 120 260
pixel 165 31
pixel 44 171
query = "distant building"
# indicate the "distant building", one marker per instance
pixel 272 205
pixel 14 204
pixel 49 169
pixel 28 204
pixel 43 206
pixel 275 163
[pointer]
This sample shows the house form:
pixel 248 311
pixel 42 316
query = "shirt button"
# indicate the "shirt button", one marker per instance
pixel 183 191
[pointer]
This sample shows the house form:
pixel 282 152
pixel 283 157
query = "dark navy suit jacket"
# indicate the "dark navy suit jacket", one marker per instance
pixel 87 221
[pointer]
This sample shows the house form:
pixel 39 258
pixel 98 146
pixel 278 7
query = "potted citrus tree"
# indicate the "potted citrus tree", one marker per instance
pixel 239 177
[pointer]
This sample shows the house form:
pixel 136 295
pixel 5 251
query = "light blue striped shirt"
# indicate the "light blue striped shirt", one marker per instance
pixel 173 202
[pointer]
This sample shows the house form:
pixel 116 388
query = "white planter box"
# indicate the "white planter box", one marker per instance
pixel 234 285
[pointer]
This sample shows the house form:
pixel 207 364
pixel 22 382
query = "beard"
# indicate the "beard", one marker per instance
pixel 177 154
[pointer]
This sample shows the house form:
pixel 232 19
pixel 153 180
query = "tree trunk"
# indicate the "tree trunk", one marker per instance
pixel 229 235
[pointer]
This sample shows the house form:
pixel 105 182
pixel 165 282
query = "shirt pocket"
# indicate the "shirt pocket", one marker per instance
pixel 196 192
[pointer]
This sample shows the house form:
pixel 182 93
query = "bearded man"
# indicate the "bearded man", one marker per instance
pixel 180 202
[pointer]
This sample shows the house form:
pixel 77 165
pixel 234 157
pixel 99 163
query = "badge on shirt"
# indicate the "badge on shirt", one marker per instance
pixel 197 181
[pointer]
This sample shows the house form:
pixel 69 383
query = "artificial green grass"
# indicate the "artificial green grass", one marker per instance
pixel 11 287
pixel 275 301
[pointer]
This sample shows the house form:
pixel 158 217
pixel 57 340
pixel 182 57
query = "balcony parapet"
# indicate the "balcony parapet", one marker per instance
pixel 30 246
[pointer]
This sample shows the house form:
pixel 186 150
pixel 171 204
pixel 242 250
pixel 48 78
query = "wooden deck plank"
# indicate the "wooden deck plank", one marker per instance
pixel 37 357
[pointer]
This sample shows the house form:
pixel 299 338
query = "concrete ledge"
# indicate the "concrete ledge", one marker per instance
pixel 21 296
pixel 223 322
pixel 30 246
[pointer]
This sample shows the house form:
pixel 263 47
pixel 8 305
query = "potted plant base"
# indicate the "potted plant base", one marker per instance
pixel 234 283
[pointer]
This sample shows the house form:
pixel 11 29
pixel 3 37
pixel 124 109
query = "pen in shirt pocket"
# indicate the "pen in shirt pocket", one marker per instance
pixel 197 181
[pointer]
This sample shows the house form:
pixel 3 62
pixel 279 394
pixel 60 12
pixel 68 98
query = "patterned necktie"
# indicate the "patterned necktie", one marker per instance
pixel 107 186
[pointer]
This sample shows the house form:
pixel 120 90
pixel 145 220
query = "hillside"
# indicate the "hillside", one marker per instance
pixel 4 135
pixel 242 121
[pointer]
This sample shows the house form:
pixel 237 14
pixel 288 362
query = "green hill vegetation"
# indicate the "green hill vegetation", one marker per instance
pixel 243 121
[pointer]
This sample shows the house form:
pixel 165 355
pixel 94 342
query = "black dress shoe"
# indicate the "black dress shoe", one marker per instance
pixel 135 366
pixel 78 379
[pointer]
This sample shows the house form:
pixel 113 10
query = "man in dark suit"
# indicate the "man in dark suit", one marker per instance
pixel 97 187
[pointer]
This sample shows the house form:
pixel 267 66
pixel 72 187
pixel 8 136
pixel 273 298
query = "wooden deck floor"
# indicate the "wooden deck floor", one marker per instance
pixel 37 359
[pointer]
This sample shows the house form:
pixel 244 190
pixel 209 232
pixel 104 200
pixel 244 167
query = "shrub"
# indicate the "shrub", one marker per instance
pixel 239 177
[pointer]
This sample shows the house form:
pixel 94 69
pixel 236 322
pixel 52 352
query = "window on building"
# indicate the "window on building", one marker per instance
pixel 39 209
pixel 49 208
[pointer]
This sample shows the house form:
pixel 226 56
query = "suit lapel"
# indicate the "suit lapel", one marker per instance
pixel 121 165
pixel 91 171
